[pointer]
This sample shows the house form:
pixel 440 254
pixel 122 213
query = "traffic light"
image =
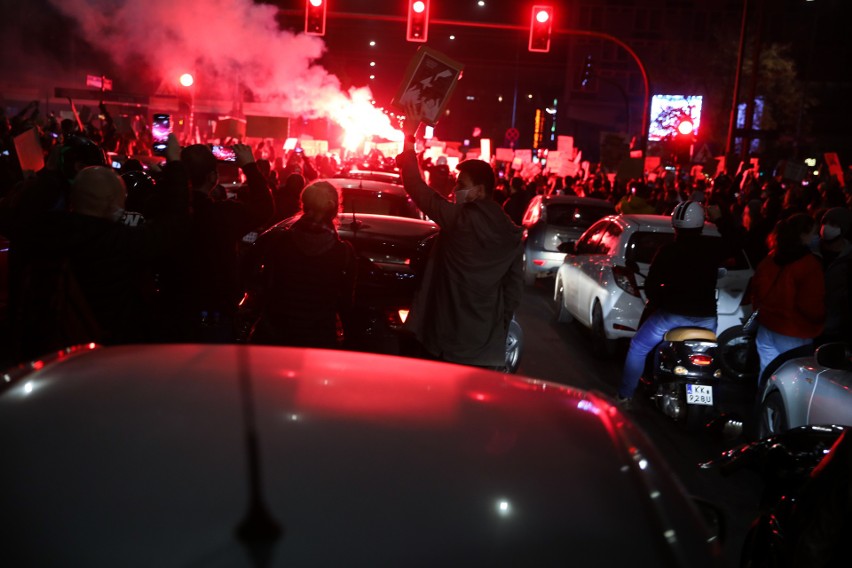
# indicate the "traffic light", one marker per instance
pixel 418 20
pixel 685 127
pixel 315 17
pixel 588 72
pixel 541 23
pixel 684 139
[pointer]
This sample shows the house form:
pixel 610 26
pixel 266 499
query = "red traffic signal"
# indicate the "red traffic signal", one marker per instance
pixel 685 127
pixel 315 17
pixel 418 20
pixel 541 25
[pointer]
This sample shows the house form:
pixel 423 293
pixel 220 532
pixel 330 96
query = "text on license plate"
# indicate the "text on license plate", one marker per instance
pixel 699 394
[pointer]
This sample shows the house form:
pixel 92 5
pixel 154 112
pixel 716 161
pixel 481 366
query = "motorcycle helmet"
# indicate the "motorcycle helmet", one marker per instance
pixel 688 215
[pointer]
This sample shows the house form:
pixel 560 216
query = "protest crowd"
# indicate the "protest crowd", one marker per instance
pixel 162 230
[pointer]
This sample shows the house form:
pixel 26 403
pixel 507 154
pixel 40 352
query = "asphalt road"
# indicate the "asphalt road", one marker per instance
pixel 561 353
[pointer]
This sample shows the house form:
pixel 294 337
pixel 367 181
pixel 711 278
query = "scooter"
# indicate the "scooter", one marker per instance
pixel 785 463
pixel 682 376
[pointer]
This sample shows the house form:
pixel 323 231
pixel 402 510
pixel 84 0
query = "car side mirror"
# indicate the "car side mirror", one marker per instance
pixel 568 247
pixel 632 266
pixel 835 356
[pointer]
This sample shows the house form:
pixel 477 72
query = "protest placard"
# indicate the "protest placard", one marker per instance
pixel 504 154
pixel 427 86
pixel 30 154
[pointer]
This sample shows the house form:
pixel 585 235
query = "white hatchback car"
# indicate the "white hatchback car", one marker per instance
pixel 600 283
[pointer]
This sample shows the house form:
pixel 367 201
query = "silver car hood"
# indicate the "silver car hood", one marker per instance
pixel 137 456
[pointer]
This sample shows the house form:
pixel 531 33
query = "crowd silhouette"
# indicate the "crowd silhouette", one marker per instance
pixel 154 249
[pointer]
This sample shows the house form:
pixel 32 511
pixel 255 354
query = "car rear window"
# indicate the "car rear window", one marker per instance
pixel 575 215
pixel 644 245
pixel 378 203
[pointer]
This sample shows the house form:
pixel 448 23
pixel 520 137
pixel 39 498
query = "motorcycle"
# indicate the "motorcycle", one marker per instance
pixel 785 463
pixel 682 376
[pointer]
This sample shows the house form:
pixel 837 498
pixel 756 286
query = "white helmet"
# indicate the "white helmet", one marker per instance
pixel 688 215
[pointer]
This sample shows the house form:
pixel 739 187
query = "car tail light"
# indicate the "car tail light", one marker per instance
pixel 533 212
pixel 396 318
pixel 700 360
pixel 538 262
pixel 626 280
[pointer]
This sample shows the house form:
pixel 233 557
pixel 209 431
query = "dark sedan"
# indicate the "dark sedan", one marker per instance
pixel 390 252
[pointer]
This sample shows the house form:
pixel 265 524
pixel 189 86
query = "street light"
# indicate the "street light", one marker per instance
pixel 187 80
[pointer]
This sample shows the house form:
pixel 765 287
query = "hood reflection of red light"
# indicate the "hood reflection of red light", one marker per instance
pixel 480 396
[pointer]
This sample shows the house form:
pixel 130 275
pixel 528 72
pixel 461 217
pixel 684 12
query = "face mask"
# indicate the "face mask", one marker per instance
pixel 813 243
pixel 829 232
pixel 462 194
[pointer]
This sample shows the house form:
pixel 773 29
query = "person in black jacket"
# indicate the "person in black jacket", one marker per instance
pixel 86 277
pixel 516 204
pixel 308 277
pixel 681 291
pixel 201 284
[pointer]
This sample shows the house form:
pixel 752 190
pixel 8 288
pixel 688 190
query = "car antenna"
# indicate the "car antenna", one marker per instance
pixel 258 530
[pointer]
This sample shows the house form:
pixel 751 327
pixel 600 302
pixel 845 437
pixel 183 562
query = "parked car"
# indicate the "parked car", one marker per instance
pixel 241 455
pixel 600 282
pixel 814 389
pixel 552 220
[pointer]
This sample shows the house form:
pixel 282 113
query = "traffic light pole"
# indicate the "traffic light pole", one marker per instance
pixel 588 33
pixel 646 106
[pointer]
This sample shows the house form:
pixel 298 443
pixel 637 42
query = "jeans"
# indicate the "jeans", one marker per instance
pixel 770 345
pixel 646 339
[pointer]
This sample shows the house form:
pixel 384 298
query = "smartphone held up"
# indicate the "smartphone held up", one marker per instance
pixel 224 153
pixel 160 130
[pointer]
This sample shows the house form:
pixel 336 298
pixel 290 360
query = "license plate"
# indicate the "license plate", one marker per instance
pixel 699 394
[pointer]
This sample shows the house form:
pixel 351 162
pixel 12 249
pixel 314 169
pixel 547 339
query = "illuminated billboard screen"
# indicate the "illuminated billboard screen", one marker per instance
pixel 667 111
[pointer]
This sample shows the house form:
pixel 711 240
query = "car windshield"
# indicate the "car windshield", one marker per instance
pixel 575 215
pixel 644 245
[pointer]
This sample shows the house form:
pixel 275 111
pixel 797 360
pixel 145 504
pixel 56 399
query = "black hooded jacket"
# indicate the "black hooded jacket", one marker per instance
pixel 308 281
pixel 682 277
